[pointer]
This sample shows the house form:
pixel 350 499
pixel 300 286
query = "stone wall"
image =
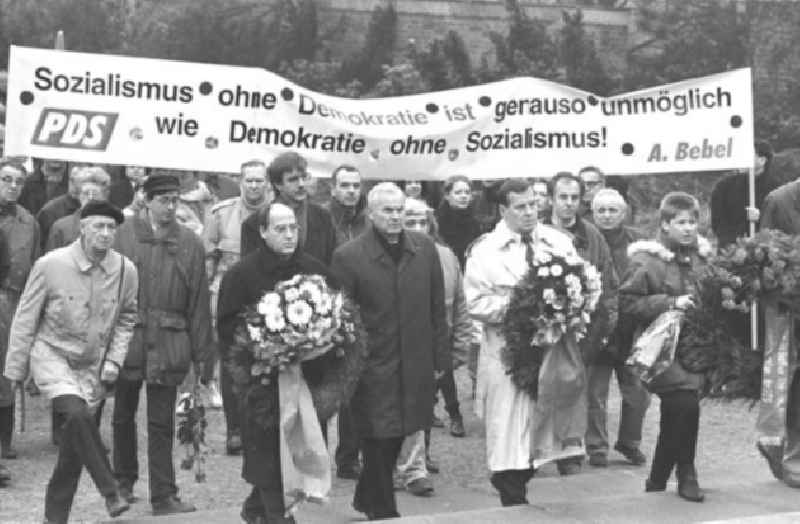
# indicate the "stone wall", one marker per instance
pixel 421 21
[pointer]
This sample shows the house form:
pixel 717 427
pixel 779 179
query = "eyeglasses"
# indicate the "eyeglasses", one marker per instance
pixel 8 179
pixel 166 200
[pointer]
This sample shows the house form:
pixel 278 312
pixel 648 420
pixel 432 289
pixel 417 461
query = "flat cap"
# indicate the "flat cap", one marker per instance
pixel 102 208
pixel 160 183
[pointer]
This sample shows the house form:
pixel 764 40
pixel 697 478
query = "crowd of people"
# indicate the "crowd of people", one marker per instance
pixel 115 279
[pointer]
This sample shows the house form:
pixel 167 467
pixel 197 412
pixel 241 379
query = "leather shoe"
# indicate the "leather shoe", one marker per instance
pixel 349 472
pixel 688 488
pixel 422 487
pixel 634 455
pixel 457 427
pixel 126 494
pixel 437 422
pixel 650 486
pixel 9 452
pixel 568 467
pixel 116 506
pixel 233 445
pixel 5 475
pixel 598 460
pixel 774 458
pixel 170 505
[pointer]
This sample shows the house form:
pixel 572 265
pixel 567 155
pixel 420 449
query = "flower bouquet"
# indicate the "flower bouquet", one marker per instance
pixel 301 320
pixel 556 297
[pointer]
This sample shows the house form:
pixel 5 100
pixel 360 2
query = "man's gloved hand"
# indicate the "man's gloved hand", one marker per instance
pixel 753 214
pixel 110 372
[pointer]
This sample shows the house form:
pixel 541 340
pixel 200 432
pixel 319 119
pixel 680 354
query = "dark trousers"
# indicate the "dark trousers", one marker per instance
pixel 80 446
pixel 375 488
pixel 447 385
pixel 230 403
pixel 635 401
pixel 57 421
pixel 160 436
pixel 677 437
pixel 347 449
pixel 265 503
pixel 511 484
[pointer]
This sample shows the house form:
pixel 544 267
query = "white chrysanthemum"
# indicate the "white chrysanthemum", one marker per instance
pixel 572 281
pixel 255 333
pixel 275 321
pixel 556 270
pixel 543 272
pixel 269 303
pixel 573 260
pixel 299 313
pixel 325 304
pixel 292 294
pixel 549 295
pixel 542 257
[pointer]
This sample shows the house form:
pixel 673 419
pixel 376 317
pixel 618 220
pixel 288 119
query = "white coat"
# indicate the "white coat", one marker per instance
pixel 495 265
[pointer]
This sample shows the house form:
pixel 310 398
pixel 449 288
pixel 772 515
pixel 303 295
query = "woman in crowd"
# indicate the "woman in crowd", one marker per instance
pixel 662 275
pixel 458 226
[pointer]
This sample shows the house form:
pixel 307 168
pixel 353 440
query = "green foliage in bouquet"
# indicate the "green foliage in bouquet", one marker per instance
pixel 705 345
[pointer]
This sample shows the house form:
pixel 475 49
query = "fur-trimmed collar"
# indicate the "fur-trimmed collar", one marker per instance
pixel 656 248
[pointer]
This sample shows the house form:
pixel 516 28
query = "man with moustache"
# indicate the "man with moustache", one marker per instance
pixel 396 279
pixel 222 239
pixel 278 259
pixel 71 333
pixel 21 232
pixel 173 332
pixel 289 176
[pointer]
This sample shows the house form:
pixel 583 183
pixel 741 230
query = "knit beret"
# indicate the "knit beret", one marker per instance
pixel 102 208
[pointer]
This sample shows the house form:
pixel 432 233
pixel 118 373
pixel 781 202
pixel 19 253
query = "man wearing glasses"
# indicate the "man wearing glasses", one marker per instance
pixel 174 331
pixel 21 232
pixel 317 235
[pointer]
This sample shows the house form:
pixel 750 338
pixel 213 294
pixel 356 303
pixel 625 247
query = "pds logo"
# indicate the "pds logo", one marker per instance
pixel 74 128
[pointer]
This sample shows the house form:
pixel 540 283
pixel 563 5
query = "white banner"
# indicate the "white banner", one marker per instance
pixel 181 115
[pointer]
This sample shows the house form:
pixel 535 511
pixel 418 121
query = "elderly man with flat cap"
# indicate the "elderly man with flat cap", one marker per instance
pixel 173 332
pixel 71 332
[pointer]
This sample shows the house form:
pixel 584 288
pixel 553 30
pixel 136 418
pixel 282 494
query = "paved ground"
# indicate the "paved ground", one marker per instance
pixel 739 483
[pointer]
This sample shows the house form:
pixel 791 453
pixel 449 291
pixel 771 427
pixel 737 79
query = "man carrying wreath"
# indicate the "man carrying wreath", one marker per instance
pixel 278 259
pixel 520 432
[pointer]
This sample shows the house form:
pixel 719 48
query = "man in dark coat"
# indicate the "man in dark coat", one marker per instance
pixel 48 181
pixel 289 177
pixel 276 260
pixel 21 233
pixel 347 207
pixel 730 198
pixel 566 192
pixel 609 210
pixel 173 332
pixel 62 205
pixel 396 278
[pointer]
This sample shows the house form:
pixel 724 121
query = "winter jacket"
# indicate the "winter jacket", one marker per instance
pixel 729 200
pixel 458 227
pixel 174 327
pixel 60 206
pixel 460 331
pixel 402 305
pixel 656 275
pixel 70 311
pixel 348 222
pixel 782 209
pixel 64 231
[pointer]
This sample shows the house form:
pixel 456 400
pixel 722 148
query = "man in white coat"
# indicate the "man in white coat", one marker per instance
pixel 518 436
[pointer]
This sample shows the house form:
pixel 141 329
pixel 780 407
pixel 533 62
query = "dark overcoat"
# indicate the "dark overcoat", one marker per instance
pixel 243 285
pixel 403 309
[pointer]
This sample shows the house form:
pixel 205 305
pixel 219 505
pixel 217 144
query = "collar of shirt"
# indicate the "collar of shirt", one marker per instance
pixel 83 262
pixel 506 236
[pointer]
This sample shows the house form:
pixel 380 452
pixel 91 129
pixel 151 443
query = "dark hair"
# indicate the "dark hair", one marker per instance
pixel 512 185
pixel 252 163
pixel 592 168
pixel 285 163
pixel 676 202
pixel 764 148
pixel 564 175
pixel 344 167
pixel 13 163
pixel 451 182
